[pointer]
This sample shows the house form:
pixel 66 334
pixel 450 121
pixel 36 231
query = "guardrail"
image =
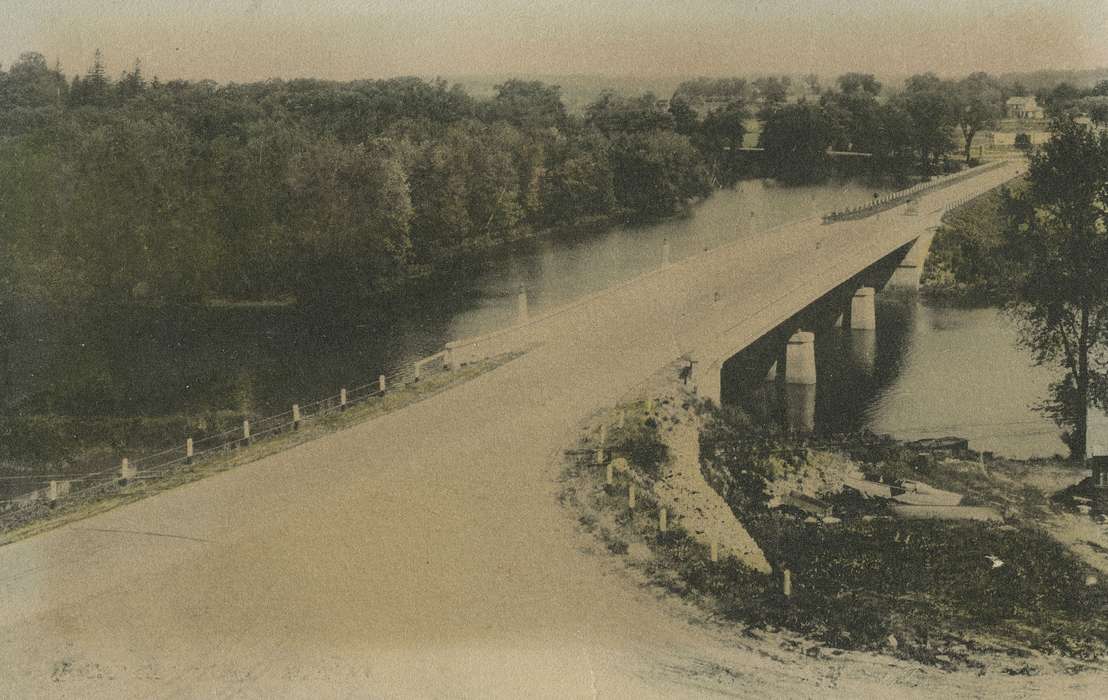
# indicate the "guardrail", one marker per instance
pixel 28 506
pixel 895 199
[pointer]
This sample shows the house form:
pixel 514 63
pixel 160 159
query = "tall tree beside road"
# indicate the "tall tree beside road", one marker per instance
pixel 1058 239
pixel 977 105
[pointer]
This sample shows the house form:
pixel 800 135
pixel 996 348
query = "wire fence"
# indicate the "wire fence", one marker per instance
pixel 899 197
pixel 33 504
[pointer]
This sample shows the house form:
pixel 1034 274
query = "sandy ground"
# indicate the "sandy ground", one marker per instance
pixel 424 554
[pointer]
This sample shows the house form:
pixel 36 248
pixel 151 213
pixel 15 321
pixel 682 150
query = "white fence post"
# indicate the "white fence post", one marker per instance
pixel 188 451
pixel 296 416
pixel 381 381
pixel 342 399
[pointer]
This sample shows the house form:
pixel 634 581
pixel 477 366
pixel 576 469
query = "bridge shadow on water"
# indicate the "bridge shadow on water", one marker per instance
pixel 853 367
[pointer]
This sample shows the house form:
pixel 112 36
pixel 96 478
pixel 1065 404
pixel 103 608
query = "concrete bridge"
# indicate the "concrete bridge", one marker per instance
pixel 424 553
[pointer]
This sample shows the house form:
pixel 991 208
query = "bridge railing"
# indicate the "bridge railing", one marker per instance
pixel 201 446
pixel 899 197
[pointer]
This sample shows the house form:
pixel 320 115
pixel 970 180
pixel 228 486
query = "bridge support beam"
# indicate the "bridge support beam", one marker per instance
pixel 800 359
pixel 908 273
pixel 863 310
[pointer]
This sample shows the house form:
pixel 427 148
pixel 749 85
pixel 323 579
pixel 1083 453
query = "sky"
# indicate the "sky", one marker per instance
pixel 244 40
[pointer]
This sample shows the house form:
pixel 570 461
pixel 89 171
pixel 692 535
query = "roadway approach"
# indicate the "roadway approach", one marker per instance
pixel 424 553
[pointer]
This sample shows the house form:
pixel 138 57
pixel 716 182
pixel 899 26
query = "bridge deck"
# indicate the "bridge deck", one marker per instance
pixel 423 553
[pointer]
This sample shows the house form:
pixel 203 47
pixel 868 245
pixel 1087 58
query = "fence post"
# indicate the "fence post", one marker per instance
pixel 296 416
pixel 126 472
pixel 381 382
pixel 631 496
pixel 609 480
pixel 342 399
pixel 418 369
pixel 188 451
pixel 246 430
pixel 52 492
pixel 713 550
pixel 662 524
pixel 787 583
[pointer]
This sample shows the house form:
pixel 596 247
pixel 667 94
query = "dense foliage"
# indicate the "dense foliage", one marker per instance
pixel 135 191
pixel 131 191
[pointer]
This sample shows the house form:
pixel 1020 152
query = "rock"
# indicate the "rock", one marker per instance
pixel 811 520
pixel 813 652
pixel 891 641
pixel 1090 580
pixel 831 520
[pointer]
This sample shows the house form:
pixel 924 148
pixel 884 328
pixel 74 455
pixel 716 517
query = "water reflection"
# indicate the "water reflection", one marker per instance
pixel 926 371
pixel 800 408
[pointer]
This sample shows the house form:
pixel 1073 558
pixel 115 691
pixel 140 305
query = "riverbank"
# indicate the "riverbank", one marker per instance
pixel 1006 595
pixel 964 266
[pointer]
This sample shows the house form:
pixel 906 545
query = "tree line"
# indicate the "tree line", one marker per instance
pixel 131 190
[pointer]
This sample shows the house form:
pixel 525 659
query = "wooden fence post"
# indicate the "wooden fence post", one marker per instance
pixel 246 430
pixel 787 583
pixel 342 399
pixel 381 382
pixel 188 451
pixel 296 416
pixel 713 550
pixel 631 496
pixel 662 524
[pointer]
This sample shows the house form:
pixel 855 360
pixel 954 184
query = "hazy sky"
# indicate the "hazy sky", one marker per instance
pixel 254 39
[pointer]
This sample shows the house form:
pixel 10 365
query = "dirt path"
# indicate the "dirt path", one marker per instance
pixel 422 554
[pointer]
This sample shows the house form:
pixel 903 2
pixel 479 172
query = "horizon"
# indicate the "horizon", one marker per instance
pixel 256 40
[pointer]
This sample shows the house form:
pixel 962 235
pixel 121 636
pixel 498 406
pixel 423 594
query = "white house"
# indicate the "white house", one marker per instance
pixel 1023 108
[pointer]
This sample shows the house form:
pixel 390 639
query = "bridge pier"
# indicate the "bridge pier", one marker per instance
pixel 863 310
pixel 908 272
pixel 800 358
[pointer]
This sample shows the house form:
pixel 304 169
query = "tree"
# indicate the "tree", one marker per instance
pixel 613 114
pixel 720 137
pixel 685 120
pixel 656 173
pixel 812 81
pixel 850 83
pixel 1058 240
pixel 930 106
pixel 977 105
pixel 796 139
pixel 1061 99
pixel 529 104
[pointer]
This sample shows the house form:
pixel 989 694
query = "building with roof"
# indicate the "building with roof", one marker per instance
pixel 1023 108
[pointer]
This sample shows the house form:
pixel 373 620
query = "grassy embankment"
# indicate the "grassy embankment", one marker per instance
pixel 964 265
pixel 82 505
pixel 923 590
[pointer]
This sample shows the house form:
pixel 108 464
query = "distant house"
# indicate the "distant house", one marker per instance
pixel 1023 108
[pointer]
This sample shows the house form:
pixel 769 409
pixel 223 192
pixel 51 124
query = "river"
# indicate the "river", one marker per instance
pixel 926 371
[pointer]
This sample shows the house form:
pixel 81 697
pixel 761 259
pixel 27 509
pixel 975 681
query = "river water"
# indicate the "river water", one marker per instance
pixel 926 371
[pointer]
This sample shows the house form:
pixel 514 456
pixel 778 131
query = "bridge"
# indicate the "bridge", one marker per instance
pixel 423 553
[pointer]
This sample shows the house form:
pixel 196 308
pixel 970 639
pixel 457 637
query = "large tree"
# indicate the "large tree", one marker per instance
pixel 1057 238
pixel 796 139
pixel 977 105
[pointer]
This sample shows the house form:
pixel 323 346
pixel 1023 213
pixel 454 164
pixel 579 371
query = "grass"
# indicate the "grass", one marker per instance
pixel 82 504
